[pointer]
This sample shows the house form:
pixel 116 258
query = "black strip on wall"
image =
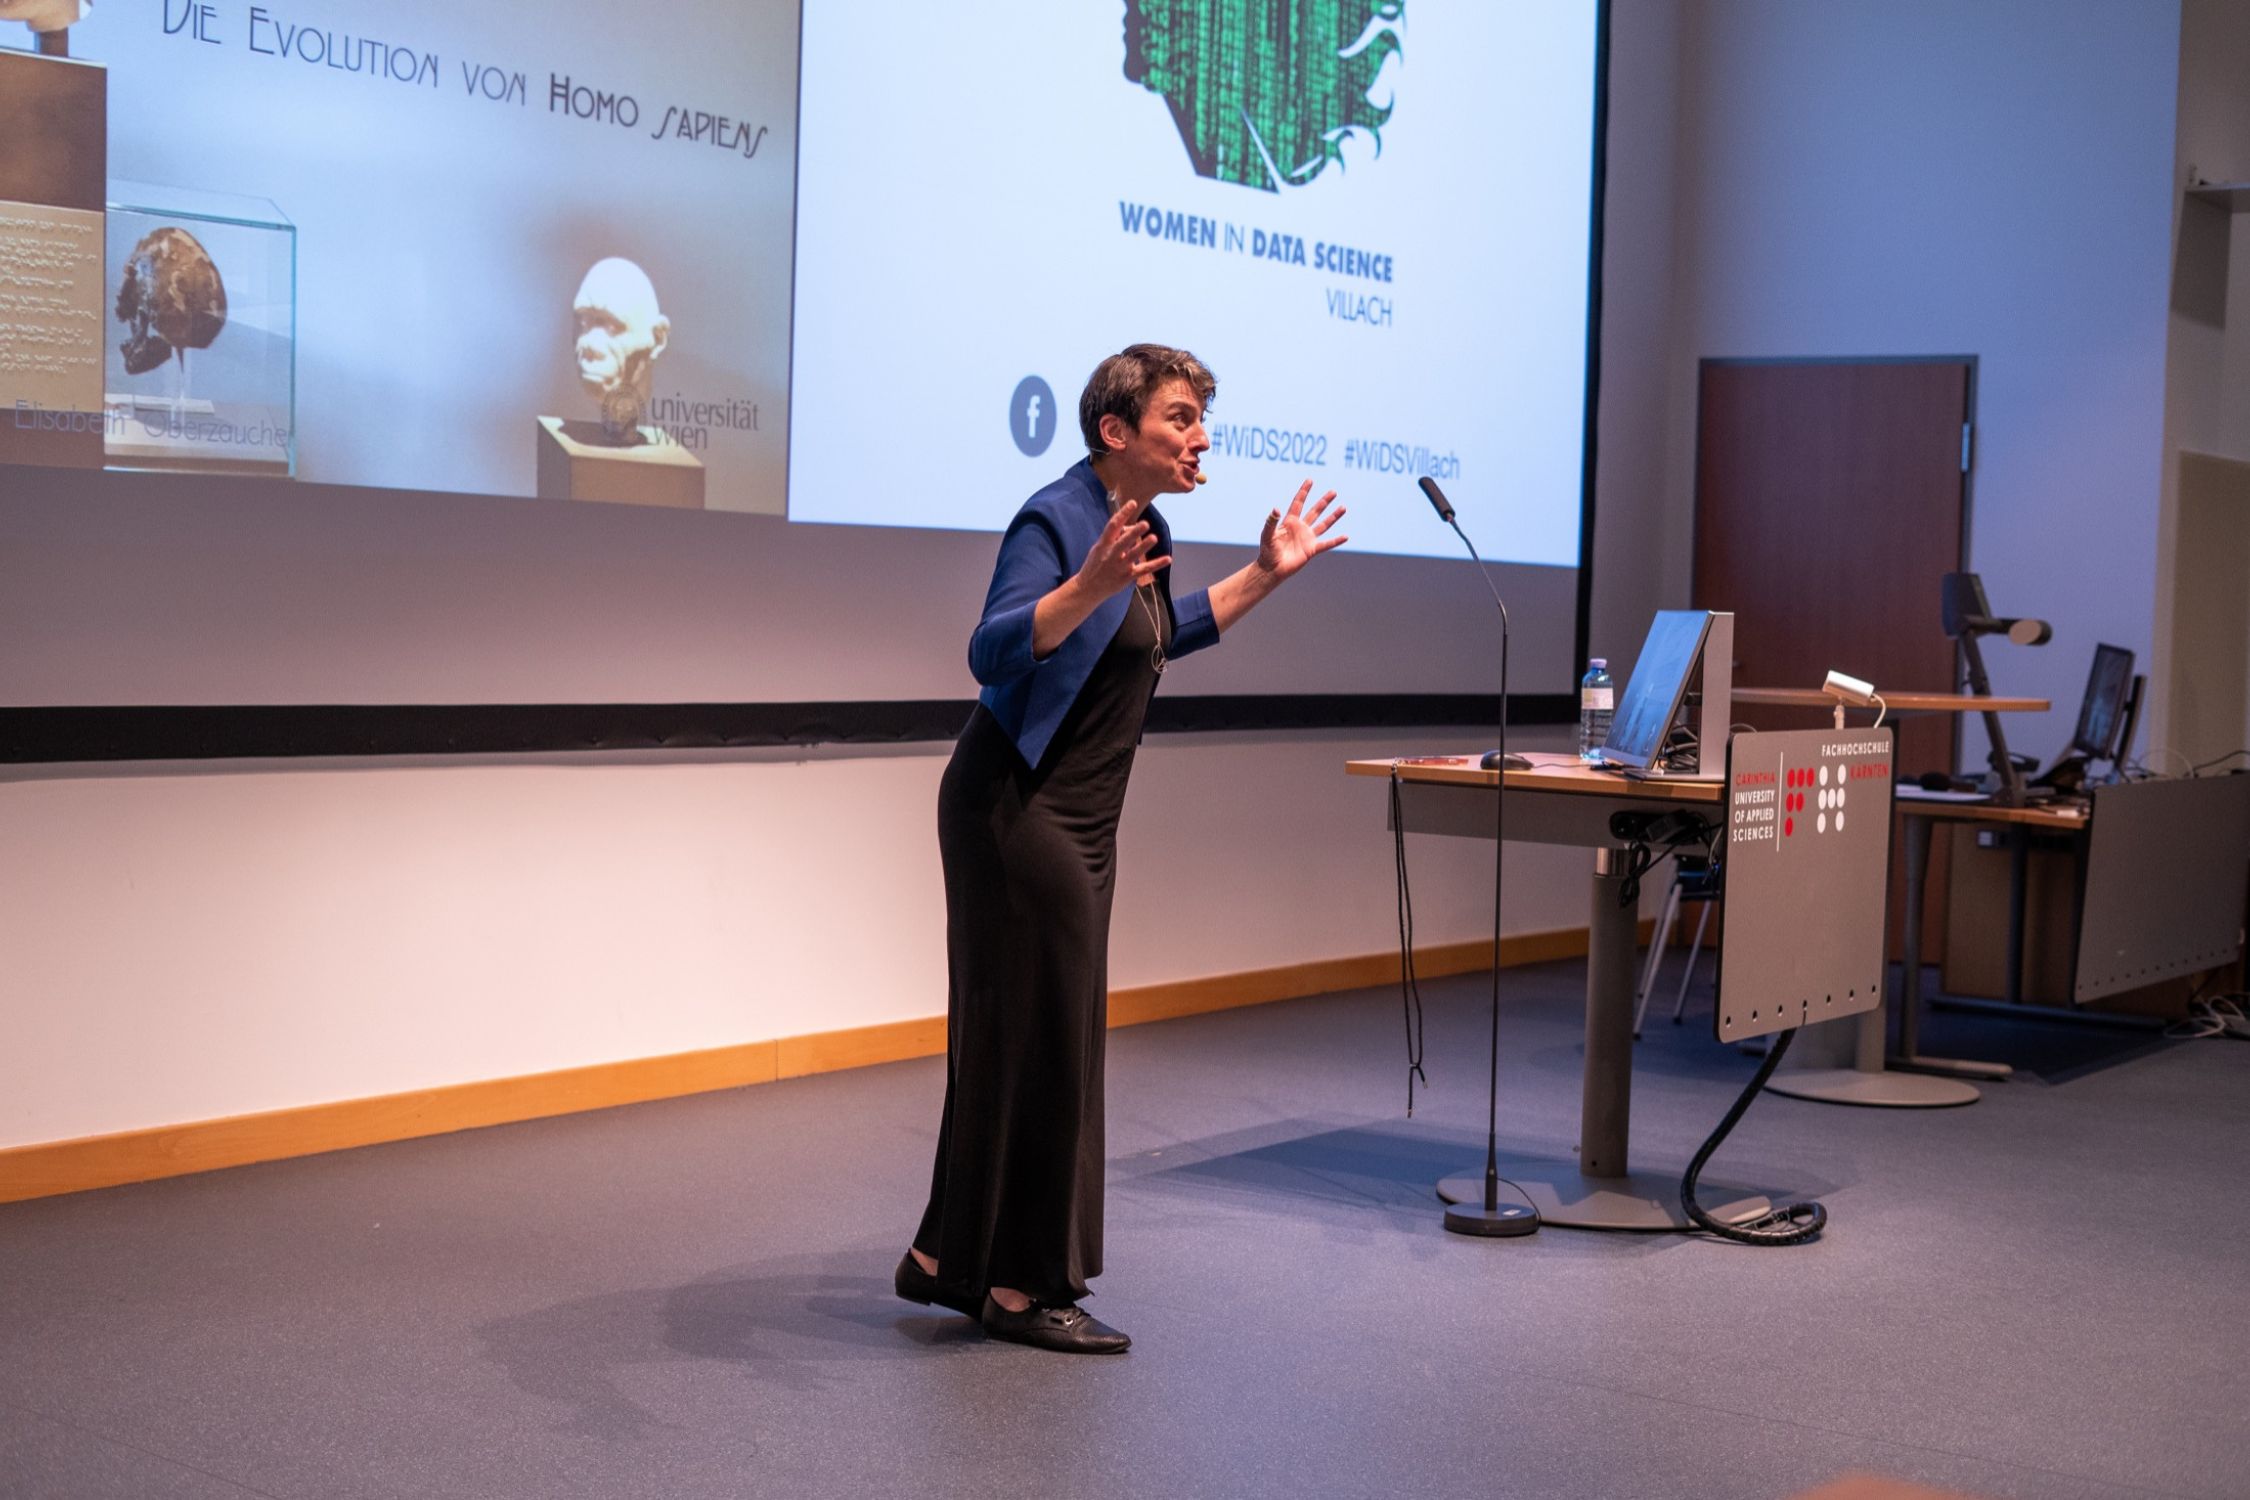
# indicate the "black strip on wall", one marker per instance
pixel 40 736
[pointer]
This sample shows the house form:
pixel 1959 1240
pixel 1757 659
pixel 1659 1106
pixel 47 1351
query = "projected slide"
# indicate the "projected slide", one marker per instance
pixel 505 249
pixel 1370 217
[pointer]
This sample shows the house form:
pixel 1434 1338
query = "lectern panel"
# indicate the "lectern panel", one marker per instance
pixel 2164 878
pixel 1807 866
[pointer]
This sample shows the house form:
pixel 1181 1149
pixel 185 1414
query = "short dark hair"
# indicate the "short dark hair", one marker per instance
pixel 1122 384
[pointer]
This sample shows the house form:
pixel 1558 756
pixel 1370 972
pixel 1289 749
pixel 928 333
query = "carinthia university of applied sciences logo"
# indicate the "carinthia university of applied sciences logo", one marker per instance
pixel 1263 91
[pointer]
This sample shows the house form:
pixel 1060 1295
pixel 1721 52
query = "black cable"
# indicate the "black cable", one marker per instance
pixel 1639 860
pixel 1410 987
pixel 2219 760
pixel 1642 832
pixel 1792 1223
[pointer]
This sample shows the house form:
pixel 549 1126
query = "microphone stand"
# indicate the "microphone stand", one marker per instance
pixel 2010 792
pixel 1491 1218
pixel 1966 615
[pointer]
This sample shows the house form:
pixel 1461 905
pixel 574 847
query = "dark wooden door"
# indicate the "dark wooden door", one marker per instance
pixel 1829 501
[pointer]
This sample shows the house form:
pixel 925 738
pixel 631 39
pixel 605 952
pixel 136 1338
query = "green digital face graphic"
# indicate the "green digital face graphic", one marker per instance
pixel 1264 90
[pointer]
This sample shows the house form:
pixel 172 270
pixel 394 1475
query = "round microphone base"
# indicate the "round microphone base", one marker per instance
pixel 1507 1222
pixel 1511 1216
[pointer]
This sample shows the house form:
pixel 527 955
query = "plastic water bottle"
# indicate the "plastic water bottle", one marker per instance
pixel 1597 702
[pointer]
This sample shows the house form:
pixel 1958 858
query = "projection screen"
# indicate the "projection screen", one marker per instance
pixel 376 312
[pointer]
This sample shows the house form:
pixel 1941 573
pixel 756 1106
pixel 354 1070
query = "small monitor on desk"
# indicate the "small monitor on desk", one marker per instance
pixel 2105 722
pixel 1654 692
pixel 2104 708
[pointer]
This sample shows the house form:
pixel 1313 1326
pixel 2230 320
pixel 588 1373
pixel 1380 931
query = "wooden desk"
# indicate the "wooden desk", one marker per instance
pixel 1856 1066
pixel 1567 803
pixel 1895 703
pixel 1918 818
pixel 1565 776
pixel 2068 818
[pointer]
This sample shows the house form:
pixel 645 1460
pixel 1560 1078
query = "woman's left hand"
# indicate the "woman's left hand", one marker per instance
pixel 1296 536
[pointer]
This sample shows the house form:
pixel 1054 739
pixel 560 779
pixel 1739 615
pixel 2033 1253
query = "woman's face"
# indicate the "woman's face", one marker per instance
pixel 1167 449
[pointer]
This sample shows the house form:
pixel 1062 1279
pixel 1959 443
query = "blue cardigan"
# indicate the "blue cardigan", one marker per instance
pixel 1044 546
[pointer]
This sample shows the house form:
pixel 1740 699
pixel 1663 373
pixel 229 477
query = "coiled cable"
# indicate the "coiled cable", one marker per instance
pixel 1790 1224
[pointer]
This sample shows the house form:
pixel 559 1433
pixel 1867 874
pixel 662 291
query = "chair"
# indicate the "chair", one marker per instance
pixel 1694 879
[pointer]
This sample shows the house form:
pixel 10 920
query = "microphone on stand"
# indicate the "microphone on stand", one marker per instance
pixel 1469 1212
pixel 1500 759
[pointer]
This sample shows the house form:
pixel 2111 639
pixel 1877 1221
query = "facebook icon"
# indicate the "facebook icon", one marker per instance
pixel 1031 416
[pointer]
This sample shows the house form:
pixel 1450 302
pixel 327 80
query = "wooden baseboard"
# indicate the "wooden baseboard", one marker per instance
pixel 1191 997
pixel 40 1171
pixel 49 1168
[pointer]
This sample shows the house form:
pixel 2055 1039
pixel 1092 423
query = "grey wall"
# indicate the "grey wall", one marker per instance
pixel 1852 177
pixel 2203 571
pixel 1900 177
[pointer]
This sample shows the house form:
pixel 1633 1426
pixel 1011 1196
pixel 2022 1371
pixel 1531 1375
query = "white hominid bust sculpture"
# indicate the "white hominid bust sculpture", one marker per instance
pixel 621 331
pixel 45 15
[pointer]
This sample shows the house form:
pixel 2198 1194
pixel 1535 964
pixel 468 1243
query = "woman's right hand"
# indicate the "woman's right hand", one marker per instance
pixel 1120 556
pixel 1119 559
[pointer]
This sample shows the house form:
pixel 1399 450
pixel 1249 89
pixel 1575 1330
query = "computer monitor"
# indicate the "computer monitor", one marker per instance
pixel 2123 755
pixel 2103 709
pixel 1653 693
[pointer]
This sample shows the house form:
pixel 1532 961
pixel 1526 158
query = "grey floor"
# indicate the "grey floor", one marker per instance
pixel 2040 1295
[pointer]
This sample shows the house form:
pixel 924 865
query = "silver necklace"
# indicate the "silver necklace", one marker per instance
pixel 1148 603
pixel 1155 623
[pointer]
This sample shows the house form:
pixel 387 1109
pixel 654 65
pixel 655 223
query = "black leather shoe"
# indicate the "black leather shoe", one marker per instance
pixel 917 1285
pixel 1069 1329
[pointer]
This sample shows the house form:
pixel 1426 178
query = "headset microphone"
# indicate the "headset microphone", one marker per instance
pixel 1201 477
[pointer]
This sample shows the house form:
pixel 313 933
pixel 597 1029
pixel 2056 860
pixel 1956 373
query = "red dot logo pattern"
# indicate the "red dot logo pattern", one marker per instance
pixel 1814 780
pixel 1830 799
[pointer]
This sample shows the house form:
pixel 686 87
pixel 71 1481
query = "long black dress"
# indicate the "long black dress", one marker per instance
pixel 1030 858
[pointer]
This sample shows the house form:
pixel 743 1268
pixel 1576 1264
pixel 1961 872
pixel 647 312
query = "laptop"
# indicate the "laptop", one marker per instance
pixel 1654 692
